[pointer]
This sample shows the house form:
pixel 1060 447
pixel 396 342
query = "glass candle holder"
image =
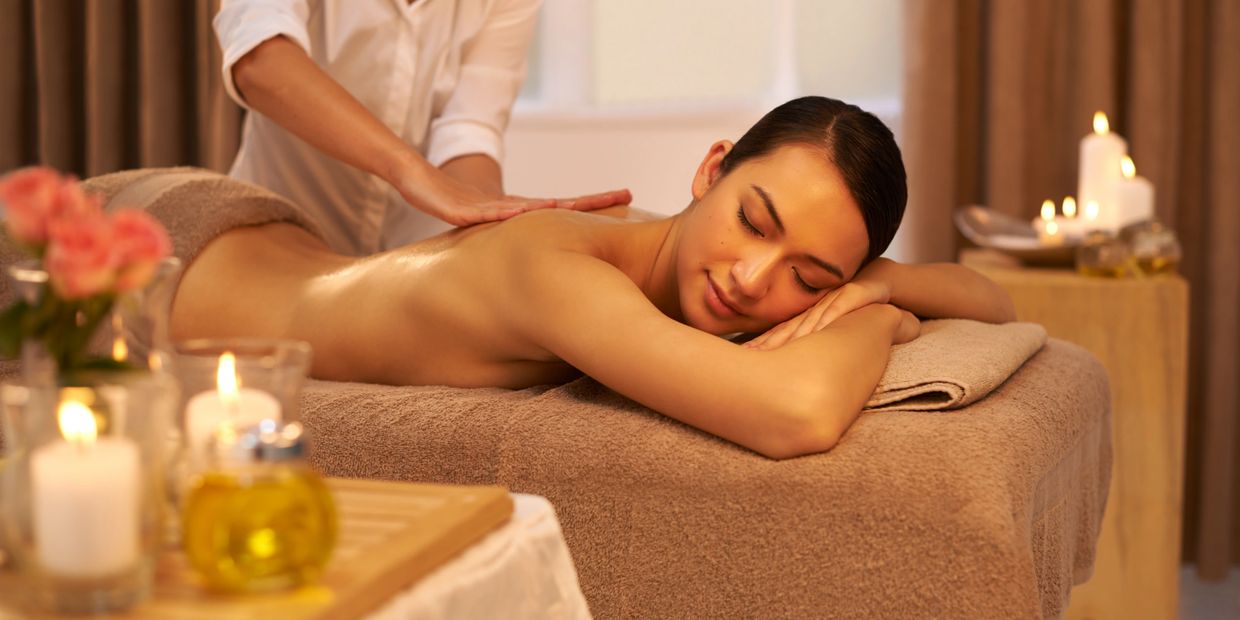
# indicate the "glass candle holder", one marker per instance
pixel 1103 255
pixel 1154 247
pixel 239 382
pixel 83 489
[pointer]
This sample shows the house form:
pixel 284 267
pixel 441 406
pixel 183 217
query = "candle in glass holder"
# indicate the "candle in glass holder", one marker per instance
pixel 1099 171
pixel 1136 195
pixel 228 403
pixel 85 499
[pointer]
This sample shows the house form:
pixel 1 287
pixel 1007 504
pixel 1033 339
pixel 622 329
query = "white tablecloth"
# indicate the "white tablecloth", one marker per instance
pixel 521 570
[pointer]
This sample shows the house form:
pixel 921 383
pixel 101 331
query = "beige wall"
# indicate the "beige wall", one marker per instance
pixel 631 93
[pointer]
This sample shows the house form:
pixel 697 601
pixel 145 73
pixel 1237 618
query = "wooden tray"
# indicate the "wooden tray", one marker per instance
pixel 391 534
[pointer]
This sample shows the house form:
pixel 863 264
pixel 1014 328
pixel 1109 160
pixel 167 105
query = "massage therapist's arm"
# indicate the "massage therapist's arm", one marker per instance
pixel 787 402
pixel 478 171
pixel 279 80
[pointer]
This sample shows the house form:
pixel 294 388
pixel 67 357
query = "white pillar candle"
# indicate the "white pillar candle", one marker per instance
pixel 1136 195
pixel 86 499
pixel 206 411
pixel 228 403
pixel 1099 171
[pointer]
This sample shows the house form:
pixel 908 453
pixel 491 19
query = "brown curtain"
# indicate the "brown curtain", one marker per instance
pixel 101 85
pixel 997 95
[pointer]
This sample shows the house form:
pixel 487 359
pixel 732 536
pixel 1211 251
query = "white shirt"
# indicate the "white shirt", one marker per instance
pixel 441 74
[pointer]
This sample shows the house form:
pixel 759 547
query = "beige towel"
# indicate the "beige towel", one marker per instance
pixel 988 511
pixel 953 363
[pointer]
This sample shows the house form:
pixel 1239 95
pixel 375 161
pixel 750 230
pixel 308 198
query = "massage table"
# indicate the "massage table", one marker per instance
pixel 972 486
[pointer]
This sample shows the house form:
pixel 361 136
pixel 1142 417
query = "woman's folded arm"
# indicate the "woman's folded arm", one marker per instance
pixel 942 290
pixel 787 402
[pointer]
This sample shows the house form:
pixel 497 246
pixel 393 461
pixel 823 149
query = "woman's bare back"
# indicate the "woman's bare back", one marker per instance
pixel 427 314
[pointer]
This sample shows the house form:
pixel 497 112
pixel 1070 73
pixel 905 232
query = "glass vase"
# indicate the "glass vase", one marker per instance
pixel 134 331
pixel 83 489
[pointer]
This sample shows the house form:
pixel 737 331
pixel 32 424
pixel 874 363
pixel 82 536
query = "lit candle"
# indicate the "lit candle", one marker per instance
pixel 1099 171
pixel 228 404
pixel 1047 227
pixel 1136 195
pixel 1068 224
pixel 1091 210
pixel 85 499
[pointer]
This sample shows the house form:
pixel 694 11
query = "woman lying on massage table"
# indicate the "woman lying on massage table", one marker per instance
pixel 781 239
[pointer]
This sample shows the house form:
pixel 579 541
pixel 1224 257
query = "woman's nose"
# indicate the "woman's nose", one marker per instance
pixel 752 273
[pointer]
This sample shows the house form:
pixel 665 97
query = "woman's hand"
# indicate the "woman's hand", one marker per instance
pixel 461 204
pixel 844 299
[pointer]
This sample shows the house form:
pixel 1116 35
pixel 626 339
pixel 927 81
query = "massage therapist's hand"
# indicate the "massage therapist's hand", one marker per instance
pixel 462 204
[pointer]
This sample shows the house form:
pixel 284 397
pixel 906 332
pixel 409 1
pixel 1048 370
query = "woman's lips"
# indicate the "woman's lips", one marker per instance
pixel 716 302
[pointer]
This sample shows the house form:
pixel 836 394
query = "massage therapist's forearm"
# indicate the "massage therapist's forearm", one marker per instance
pixel 944 290
pixel 279 80
pixel 478 171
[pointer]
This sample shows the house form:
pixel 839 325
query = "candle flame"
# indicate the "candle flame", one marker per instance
pixel 1048 210
pixel 77 422
pixel 226 380
pixel 1069 206
pixel 1091 210
pixel 1101 126
pixel 1128 167
pixel 1052 228
pixel 120 350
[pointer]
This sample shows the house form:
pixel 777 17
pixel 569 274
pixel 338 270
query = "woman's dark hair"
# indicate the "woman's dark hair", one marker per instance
pixel 859 145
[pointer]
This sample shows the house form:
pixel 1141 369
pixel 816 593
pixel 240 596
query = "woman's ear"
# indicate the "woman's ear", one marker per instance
pixel 708 171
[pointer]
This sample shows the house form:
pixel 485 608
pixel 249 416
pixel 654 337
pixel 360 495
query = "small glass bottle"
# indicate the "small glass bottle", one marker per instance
pixel 259 518
pixel 1153 246
pixel 1103 255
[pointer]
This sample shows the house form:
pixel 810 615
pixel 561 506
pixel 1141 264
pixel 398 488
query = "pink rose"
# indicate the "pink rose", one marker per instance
pixel 70 200
pixel 29 196
pixel 81 256
pixel 141 243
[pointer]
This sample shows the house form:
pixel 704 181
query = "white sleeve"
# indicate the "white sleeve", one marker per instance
pixel 242 24
pixel 493 65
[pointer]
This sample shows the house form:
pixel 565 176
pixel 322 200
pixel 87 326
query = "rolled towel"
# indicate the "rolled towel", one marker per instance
pixel 953 363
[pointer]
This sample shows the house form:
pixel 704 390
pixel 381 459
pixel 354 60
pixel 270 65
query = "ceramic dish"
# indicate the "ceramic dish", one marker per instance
pixel 991 229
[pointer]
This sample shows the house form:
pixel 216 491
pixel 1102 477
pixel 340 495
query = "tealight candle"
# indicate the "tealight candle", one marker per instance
pixel 1069 225
pixel 1047 227
pixel 1136 195
pixel 1099 171
pixel 228 403
pixel 85 499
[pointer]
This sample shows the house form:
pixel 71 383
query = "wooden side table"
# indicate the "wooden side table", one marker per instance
pixel 1138 329
pixel 391 534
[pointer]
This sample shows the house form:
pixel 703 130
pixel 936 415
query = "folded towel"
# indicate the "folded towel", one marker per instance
pixel 953 363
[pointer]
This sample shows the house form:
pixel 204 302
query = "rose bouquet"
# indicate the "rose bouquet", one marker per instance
pixel 91 258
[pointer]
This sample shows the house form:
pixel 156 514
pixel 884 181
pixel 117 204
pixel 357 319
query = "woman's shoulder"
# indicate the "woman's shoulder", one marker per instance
pixel 554 230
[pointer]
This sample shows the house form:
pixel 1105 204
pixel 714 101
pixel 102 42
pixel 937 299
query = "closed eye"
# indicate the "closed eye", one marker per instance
pixel 813 290
pixel 740 214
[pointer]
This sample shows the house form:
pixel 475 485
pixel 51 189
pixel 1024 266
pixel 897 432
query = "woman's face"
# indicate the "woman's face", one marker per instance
pixel 766 241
